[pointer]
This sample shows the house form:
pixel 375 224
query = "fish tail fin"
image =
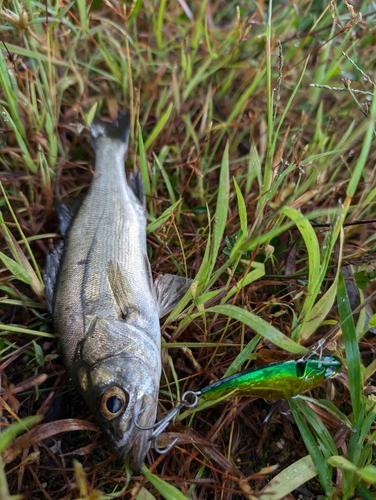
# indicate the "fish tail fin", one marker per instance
pixel 118 129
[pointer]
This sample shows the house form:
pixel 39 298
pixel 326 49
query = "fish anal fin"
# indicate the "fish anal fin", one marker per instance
pixel 169 289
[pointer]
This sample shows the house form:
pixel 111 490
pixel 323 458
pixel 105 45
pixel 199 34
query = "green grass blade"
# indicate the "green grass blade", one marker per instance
pixel 321 309
pixel 167 491
pixel 19 329
pixel 254 169
pixel 220 217
pixel 323 470
pixel 250 277
pixel 330 408
pixel 143 162
pixel 82 9
pixel 159 127
pixel 351 346
pixel 8 434
pixel 16 269
pixel 9 87
pixel 364 154
pixel 242 208
pixel 22 144
pixel 164 217
pixel 245 355
pixel 328 448
pixel 24 239
pixel 289 479
pixel 260 326
pixel 313 249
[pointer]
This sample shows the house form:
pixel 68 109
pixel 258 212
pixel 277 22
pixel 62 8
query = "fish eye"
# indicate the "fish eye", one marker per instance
pixel 113 402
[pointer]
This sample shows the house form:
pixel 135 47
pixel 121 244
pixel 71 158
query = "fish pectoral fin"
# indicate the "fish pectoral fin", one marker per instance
pixel 169 289
pixel 137 186
pixel 66 211
pixel 50 273
pixel 120 287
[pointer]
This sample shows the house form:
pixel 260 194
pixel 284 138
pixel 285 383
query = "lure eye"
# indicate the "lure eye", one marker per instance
pixel 329 372
pixel 113 402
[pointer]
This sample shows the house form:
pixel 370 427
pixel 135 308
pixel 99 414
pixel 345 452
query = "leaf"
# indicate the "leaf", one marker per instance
pixel 168 491
pixel 143 163
pixel 8 434
pixel 313 249
pixel 322 434
pixel 330 408
pixel 365 493
pixel 40 433
pixel 351 346
pixel 361 279
pixel 320 310
pixel 20 329
pixel 260 326
pixel 220 218
pixel 90 115
pixel 141 493
pixel 16 269
pixel 323 470
pixel 254 168
pixel 4 490
pixel 167 214
pixel 39 356
pixel 159 127
pixel 242 208
pixel 221 211
pixel 368 474
pixel 289 479
pixel 342 463
pixel 245 355
pixel 250 277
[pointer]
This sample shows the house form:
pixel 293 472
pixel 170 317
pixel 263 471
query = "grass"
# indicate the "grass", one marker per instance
pixel 254 130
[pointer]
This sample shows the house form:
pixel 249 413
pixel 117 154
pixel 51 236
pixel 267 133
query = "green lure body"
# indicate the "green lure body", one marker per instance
pixel 277 380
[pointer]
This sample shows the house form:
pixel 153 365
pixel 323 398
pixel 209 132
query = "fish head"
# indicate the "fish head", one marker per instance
pixel 121 387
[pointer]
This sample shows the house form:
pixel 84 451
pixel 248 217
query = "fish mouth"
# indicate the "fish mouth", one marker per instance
pixel 144 415
pixel 135 443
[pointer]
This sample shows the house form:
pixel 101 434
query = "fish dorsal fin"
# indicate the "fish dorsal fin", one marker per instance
pixel 169 289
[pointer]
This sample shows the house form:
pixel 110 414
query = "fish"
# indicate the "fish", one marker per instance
pixel 106 308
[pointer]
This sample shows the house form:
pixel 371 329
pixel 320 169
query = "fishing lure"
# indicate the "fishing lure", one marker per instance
pixel 275 381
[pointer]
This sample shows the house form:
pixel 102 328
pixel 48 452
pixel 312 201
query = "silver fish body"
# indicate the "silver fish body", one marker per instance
pixel 105 305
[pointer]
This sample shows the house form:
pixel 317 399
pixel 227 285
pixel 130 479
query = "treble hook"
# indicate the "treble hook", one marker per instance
pixel 160 426
pixel 319 347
